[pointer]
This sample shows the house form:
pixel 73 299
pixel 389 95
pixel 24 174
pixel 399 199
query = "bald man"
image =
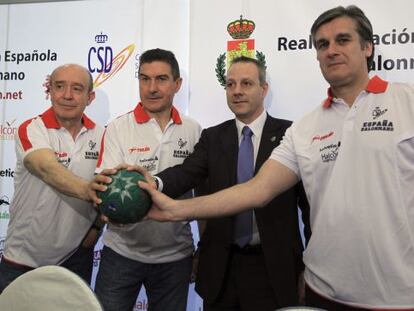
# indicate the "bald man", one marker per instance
pixel 51 219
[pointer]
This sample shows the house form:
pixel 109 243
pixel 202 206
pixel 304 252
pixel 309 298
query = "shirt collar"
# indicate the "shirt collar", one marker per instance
pixel 142 117
pixel 375 85
pixel 256 126
pixel 50 121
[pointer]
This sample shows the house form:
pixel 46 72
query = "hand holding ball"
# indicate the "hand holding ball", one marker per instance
pixel 124 201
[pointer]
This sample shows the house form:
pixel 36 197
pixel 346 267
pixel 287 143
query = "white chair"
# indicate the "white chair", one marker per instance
pixel 300 308
pixel 49 288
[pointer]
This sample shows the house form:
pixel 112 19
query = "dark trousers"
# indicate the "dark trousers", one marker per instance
pixel 80 262
pixel 246 286
pixel 120 279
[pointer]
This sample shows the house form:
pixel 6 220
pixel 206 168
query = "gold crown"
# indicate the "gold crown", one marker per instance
pixel 241 28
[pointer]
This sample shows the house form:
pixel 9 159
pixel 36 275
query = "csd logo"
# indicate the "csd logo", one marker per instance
pixel 102 54
pixel 101 59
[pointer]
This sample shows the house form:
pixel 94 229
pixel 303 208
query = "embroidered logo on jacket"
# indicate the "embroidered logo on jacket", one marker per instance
pixel 181 153
pixel 63 158
pixel 383 125
pixel 150 164
pixel 91 155
pixel 139 149
pixel 322 137
pixel 330 152
pixel 181 143
pixel 377 112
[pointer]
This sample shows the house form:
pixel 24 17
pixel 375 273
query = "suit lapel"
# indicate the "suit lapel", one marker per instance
pixel 271 137
pixel 229 149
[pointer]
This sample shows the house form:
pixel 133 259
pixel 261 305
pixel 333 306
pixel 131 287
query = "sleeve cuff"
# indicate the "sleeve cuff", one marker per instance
pixel 159 183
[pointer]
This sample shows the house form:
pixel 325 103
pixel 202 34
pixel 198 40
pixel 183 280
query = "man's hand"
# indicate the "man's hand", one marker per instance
pixel 142 170
pixel 101 180
pixel 163 207
pixel 99 184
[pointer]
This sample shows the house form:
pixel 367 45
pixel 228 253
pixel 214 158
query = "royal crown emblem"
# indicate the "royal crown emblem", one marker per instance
pixel 102 38
pixel 240 30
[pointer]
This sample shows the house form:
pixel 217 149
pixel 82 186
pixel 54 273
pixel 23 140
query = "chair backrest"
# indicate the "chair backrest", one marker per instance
pixel 49 288
pixel 300 308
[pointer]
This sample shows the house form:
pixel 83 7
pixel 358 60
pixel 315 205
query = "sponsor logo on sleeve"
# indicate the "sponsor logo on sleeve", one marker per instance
pixel 63 158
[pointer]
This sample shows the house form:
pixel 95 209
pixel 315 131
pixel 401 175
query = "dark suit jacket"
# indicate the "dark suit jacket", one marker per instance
pixel 215 159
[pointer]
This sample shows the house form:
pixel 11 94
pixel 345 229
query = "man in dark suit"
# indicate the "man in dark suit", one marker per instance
pixel 265 273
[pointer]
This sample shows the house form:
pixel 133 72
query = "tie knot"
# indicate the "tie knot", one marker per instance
pixel 246 131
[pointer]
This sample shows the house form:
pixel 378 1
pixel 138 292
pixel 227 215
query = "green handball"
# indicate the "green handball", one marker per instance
pixel 124 201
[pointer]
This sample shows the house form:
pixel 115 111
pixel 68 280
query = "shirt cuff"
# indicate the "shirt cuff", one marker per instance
pixel 159 183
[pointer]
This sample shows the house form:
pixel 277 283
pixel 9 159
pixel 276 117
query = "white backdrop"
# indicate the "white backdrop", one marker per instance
pixel 46 35
pixel 296 84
